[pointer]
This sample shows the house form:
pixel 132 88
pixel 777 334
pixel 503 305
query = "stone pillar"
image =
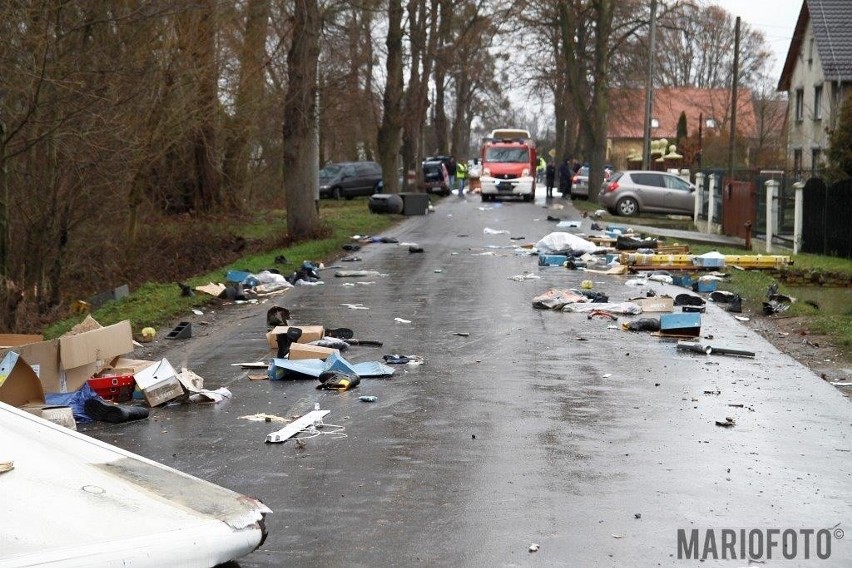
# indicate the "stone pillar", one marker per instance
pixel 797 216
pixel 771 189
pixel 711 203
pixel 699 196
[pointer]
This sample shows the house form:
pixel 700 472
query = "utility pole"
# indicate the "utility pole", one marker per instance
pixel 734 84
pixel 649 89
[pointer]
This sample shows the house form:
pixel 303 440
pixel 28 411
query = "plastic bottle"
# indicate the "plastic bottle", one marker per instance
pixel 318 420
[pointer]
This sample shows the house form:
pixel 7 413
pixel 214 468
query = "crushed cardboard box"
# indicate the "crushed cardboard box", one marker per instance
pixel 159 383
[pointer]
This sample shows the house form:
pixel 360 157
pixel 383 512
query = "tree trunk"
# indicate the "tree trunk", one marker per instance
pixel 299 129
pixel 208 185
pixel 593 121
pixel 442 130
pixel 250 92
pixel 389 132
pixel 422 33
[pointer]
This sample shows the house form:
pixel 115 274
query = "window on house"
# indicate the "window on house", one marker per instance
pixel 818 102
pixel 797 161
pixel 800 104
pixel 811 50
pixel 816 165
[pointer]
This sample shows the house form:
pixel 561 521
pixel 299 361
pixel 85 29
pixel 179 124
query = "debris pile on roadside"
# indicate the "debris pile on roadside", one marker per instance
pixel 87 375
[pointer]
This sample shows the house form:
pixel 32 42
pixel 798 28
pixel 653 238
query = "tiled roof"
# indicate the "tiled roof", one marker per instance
pixel 832 25
pixel 627 111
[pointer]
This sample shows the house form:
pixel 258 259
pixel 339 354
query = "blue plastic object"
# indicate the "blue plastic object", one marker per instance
pixel 688 324
pixel 552 259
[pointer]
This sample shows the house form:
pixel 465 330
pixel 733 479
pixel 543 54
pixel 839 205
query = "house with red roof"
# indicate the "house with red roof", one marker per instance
pixel 708 114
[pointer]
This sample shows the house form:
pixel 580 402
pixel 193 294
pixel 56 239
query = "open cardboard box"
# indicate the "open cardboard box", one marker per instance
pixel 66 363
pixel 20 386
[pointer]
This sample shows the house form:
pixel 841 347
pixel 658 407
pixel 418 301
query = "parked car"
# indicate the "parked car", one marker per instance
pixel 580 181
pixel 436 179
pixel 630 192
pixel 350 179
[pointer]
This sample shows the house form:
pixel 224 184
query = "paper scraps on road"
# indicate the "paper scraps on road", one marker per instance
pixel 489 231
pixel 522 277
pixel 400 320
pixel 355 306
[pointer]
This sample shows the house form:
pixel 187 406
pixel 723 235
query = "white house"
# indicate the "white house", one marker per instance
pixel 817 75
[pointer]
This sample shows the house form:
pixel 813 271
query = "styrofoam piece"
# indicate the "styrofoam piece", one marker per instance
pixel 296 426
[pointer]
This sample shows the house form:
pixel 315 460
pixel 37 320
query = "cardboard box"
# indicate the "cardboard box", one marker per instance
pixel 309 333
pixel 82 355
pixel 655 303
pixel 19 385
pixel 43 357
pixel 15 339
pixel 302 351
pixel 62 415
pixel 159 383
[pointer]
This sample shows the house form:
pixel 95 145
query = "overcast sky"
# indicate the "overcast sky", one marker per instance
pixel 775 18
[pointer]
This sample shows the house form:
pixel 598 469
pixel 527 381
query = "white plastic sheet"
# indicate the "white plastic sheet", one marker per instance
pixel 559 241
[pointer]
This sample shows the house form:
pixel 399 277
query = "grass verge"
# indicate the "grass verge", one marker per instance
pixel 157 303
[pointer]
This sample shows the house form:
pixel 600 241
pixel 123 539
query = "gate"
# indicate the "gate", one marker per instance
pixel 826 212
pixel 738 207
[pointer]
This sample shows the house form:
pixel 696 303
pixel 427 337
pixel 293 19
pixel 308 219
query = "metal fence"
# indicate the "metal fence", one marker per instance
pixel 784 208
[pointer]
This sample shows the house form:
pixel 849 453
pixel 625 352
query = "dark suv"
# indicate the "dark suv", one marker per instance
pixel 350 179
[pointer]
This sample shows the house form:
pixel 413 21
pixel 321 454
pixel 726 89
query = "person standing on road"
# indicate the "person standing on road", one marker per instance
pixel 550 177
pixel 451 170
pixel 461 174
pixel 565 178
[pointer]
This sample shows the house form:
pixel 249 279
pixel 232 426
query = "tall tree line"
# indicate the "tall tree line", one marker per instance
pixel 115 112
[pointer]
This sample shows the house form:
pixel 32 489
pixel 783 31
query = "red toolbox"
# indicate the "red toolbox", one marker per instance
pixel 114 387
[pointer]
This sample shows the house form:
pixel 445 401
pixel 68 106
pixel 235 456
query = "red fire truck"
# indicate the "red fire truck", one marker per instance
pixel 508 164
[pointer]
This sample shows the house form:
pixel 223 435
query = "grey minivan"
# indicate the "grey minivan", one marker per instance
pixel 350 179
pixel 629 192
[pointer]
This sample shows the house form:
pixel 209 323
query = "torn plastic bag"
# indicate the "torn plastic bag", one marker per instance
pixel 76 400
pixel 555 298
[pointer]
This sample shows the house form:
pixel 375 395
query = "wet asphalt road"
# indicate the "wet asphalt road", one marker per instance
pixel 540 427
